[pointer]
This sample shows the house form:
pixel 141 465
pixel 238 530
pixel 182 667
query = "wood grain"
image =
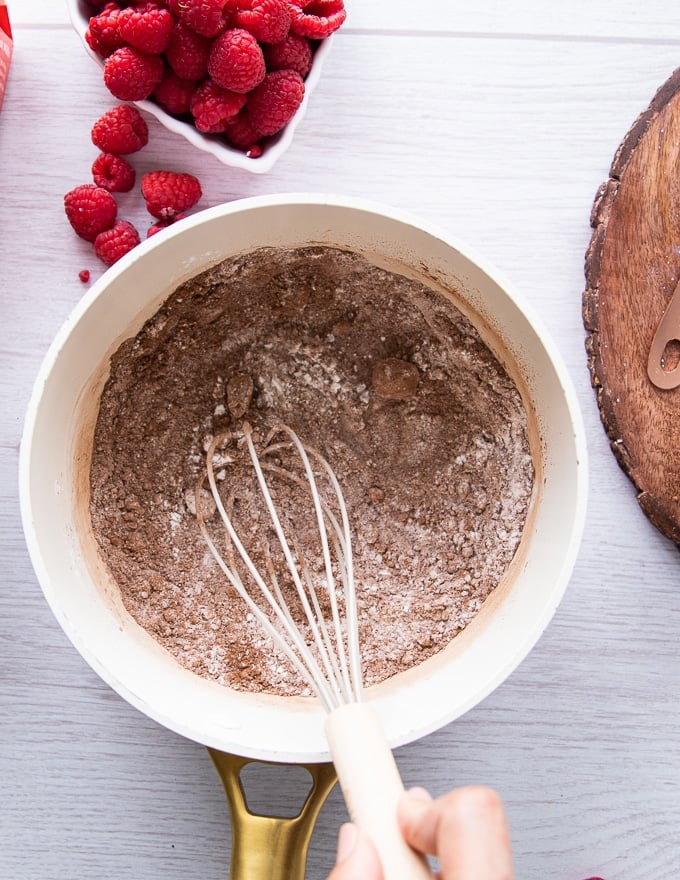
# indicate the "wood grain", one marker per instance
pixel 632 269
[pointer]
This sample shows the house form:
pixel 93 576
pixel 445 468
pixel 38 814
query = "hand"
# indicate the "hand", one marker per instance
pixel 466 829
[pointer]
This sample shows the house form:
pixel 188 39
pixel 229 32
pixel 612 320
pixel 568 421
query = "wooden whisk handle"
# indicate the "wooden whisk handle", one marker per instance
pixel 372 787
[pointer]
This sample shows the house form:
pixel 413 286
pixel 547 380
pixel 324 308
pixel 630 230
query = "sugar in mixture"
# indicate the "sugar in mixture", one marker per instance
pixel 422 425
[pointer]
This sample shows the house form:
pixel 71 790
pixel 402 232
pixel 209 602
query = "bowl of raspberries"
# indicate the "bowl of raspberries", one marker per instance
pixel 231 76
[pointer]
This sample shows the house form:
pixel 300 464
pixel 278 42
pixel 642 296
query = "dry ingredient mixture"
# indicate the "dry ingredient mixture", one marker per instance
pixel 424 429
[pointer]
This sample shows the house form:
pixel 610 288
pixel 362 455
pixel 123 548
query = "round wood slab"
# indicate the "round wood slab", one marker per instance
pixel 632 268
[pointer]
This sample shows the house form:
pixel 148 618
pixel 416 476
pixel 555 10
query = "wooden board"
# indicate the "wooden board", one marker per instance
pixel 632 269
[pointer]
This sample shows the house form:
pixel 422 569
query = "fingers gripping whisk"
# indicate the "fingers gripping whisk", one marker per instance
pixel 300 589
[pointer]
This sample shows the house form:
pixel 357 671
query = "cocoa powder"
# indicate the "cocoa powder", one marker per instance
pixel 423 427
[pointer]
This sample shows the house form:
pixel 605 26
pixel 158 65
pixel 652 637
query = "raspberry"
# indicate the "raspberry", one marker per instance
pixel 174 93
pixel 272 104
pixel 187 52
pixel 212 106
pixel 207 17
pixel 114 243
pixel 131 75
pixel 120 130
pixel 162 224
pixel 236 61
pixel 146 28
pixel 267 20
pixel 113 173
pixel 84 275
pixel 90 210
pixel 168 193
pixel 316 19
pixel 240 133
pixel 102 33
pixel 293 53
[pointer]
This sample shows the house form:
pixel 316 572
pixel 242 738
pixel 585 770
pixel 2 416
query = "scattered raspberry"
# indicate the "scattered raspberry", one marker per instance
pixel 187 52
pixel 168 193
pixel 120 130
pixel 131 75
pixel 316 19
pixel 268 20
pixel 102 33
pixel 272 104
pixel 114 243
pixel 162 224
pixel 146 28
pixel 236 61
pixel 90 210
pixel 174 93
pixel 84 275
pixel 240 133
pixel 113 173
pixel 293 53
pixel 207 17
pixel 212 106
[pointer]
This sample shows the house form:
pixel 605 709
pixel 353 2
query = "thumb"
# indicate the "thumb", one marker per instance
pixel 357 858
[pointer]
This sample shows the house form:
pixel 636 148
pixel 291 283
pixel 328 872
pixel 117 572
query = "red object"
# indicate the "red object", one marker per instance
pixel 84 275
pixel 90 210
pixel 274 102
pixel 212 106
pixel 114 243
pixel 6 45
pixel 187 52
pixel 131 75
pixel 102 34
pixel 316 19
pixel 236 61
pixel 113 173
pixel 240 132
pixel 146 28
pixel 207 17
pixel 174 93
pixel 293 53
pixel 169 193
pixel 120 130
pixel 267 20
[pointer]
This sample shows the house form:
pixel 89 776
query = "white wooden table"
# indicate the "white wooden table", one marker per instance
pixel 497 121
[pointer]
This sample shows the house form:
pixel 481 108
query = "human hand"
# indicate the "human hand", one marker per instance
pixel 466 830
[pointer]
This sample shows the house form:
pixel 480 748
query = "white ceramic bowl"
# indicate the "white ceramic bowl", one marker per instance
pixel 55 459
pixel 80 14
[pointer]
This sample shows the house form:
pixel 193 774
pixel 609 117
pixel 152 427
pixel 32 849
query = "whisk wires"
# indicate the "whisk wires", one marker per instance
pixel 329 660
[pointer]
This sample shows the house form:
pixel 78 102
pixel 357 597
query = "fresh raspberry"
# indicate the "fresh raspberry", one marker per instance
pixel 168 193
pixel 173 93
pixel 236 61
pixel 272 104
pixel 207 17
pixel 131 75
pixel 120 130
pixel 316 19
pixel 113 173
pixel 84 275
pixel 163 224
pixel 293 53
pixel 102 33
pixel 212 106
pixel 90 210
pixel 187 52
pixel 114 243
pixel 240 133
pixel 146 28
pixel 268 20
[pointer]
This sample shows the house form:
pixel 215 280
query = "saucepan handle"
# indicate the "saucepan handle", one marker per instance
pixel 270 847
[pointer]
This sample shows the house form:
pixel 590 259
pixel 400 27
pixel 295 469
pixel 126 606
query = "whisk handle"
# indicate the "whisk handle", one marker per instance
pixel 372 786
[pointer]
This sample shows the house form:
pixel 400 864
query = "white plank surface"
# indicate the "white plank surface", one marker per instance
pixel 497 122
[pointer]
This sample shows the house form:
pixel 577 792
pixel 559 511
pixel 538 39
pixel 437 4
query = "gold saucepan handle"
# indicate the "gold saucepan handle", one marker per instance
pixel 270 847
